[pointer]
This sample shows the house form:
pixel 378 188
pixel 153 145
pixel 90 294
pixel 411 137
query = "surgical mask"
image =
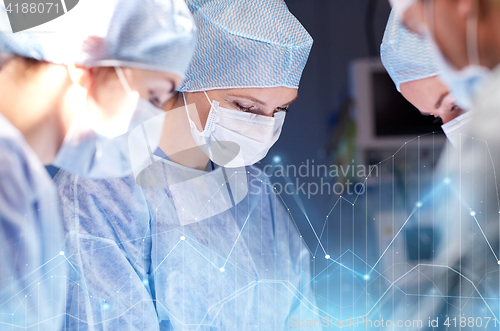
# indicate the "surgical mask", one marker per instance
pixel 234 138
pixel 455 128
pixel 465 83
pixel 102 151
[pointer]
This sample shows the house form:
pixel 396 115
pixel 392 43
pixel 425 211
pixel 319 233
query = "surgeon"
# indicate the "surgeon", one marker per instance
pixel 411 62
pixel 466 35
pixel 196 239
pixel 66 98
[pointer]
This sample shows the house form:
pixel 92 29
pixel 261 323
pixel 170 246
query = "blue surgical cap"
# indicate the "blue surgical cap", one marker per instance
pixel 406 55
pixel 157 35
pixel 246 44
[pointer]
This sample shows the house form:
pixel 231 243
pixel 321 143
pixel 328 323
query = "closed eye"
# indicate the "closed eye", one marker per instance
pixel 157 101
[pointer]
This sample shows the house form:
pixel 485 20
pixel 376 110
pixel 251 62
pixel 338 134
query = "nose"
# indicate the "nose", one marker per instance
pixel 449 110
pixel 267 112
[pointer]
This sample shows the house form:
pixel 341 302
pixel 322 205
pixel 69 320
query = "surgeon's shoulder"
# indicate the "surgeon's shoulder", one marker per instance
pixel 70 186
pixel 16 177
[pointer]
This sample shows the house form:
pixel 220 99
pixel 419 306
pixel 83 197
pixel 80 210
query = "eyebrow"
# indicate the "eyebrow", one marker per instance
pixel 440 100
pixel 260 101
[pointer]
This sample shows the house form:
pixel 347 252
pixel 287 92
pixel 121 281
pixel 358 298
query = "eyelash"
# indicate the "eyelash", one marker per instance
pixel 249 109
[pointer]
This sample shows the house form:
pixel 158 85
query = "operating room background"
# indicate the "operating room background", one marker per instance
pixel 343 30
pixel 358 234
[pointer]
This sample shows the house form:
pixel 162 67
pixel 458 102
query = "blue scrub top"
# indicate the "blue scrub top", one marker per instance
pixel 141 263
pixel 32 271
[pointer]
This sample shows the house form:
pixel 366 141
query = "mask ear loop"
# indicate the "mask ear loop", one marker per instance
pixel 472 43
pixel 128 90
pixel 191 121
pixel 429 16
pixel 211 162
pixel 72 73
pixel 185 103
pixel 73 76
pixel 123 80
pixel 210 102
pixel 187 111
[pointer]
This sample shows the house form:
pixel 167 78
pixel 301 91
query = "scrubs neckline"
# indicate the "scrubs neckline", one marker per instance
pixel 211 167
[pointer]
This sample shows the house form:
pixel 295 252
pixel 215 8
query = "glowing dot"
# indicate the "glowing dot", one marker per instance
pixel 106 306
pixel 366 277
pixel 183 238
pixel 447 180
pixel 145 282
pixel 419 204
pixel 327 256
pixel 472 213
pixel 61 253
pixel 277 159
pixel 499 262
pixel 221 269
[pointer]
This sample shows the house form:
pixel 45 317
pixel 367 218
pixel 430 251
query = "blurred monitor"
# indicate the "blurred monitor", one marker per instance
pixel 385 120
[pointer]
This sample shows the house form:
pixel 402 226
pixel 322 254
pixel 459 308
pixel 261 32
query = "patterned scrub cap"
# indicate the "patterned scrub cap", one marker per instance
pixel 157 35
pixel 406 55
pixel 246 44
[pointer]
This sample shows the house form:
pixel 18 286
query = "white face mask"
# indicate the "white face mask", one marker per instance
pixel 457 127
pixel 464 84
pixel 233 138
pixel 102 151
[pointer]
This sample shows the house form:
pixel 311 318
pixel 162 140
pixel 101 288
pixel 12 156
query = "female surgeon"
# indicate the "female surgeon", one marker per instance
pixel 412 64
pixel 197 239
pixel 62 103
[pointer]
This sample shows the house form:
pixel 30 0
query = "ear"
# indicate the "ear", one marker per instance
pixel 466 8
pixel 78 75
